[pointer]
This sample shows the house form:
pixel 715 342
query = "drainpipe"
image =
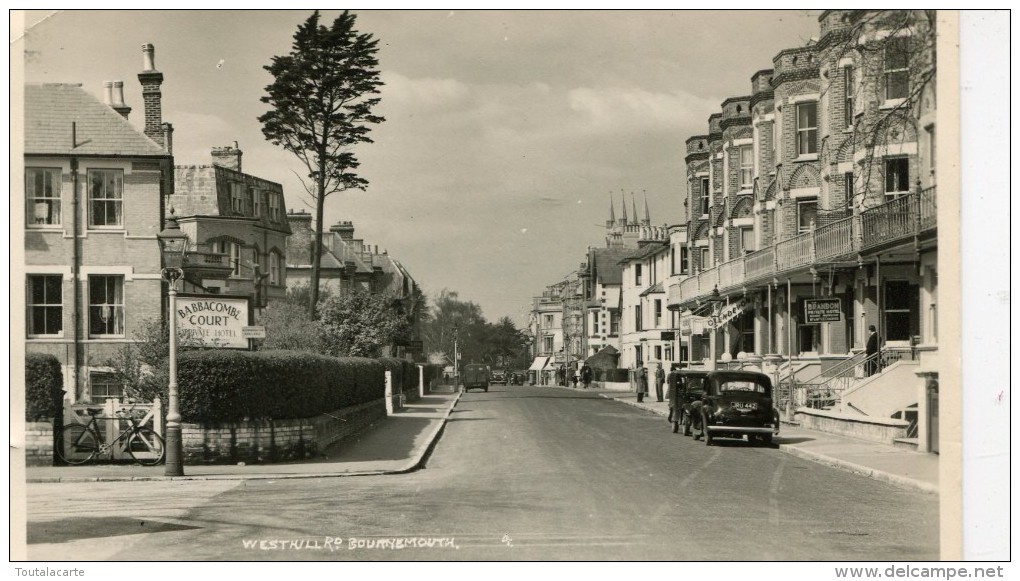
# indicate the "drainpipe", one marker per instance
pixel 75 265
pixel 769 287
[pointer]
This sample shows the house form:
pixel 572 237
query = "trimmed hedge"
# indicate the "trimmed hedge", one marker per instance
pixel 223 385
pixel 404 372
pixel 44 387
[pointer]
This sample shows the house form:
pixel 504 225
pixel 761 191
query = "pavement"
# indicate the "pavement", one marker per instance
pixel 401 443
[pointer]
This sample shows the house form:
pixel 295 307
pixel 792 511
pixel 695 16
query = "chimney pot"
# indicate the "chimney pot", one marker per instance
pixel 108 92
pixel 148 57
pixel 118 93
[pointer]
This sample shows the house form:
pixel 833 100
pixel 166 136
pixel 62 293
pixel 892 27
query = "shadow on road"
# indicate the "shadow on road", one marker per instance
pixel 71 529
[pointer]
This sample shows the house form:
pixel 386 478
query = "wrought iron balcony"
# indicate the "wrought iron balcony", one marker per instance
pixel 906 218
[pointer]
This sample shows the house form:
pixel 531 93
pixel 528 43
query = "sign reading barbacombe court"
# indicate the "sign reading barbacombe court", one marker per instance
pixel 213 321
pixel 822 310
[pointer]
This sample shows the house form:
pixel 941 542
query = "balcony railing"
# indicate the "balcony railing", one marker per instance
pixel 203 258
pixel 929 209
pixel 731 273
pixel 835 239
pixel 796 251
pixel 893 222
pixel 760 264
pixel 888 222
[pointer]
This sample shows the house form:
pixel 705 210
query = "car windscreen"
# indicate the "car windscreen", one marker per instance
pixel 741 385
pixel 695 384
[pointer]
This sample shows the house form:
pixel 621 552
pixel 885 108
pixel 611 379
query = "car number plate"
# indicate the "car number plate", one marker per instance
pixel 745 405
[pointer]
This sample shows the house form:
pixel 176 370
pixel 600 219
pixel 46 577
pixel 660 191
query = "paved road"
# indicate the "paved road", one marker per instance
pixel 521 473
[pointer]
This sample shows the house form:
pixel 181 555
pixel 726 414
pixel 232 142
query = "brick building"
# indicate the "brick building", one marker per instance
pixel 94 186
pixel 820 184
pixel 237 227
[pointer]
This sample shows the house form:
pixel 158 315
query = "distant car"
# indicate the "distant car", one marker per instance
pixel 734 404
pixel 475 376
pixel 499 377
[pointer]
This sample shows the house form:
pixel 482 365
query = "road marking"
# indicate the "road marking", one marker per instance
pixel 690 477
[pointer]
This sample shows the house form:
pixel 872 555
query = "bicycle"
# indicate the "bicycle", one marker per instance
pixel 81 443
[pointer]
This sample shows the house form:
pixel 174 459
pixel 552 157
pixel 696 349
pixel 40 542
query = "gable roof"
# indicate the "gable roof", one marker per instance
pixel 655 288
pixel 644 252
pixel 51 108
pixel 607 264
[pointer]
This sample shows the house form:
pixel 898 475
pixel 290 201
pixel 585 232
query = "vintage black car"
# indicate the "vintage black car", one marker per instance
pixel 734 404
pixel 690 385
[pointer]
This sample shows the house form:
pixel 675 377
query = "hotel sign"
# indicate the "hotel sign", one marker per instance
pixel 822 311
pixel 212 321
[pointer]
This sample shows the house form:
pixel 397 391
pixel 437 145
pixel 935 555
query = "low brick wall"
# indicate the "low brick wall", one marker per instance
pixel 874 429
pixel 39 443
pixel 276 441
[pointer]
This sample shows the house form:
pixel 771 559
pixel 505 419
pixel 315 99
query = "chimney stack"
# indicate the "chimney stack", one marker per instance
pixel 228 157
pixel 108 93
pixel 118 99
pixel 151 79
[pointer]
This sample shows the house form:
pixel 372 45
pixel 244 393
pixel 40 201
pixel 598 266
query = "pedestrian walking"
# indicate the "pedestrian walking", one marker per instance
pixel 660 378
pixel 871 352
pixel 586 375
pixel 642 382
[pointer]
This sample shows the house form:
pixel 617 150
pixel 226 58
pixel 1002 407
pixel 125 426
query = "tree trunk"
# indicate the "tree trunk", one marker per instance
pixel 320 202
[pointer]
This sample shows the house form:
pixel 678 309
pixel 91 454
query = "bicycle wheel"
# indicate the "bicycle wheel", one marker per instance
pixel 77 445
pixel 146 447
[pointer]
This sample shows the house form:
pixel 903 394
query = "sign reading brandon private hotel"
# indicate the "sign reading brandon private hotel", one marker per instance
pixel 213 321
pixel 822 310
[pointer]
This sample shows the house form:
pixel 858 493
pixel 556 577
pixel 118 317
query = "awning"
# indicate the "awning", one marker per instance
pixel 538 364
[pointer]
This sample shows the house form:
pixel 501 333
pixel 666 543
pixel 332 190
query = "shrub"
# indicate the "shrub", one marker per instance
pixel 44 387
pixel 225 385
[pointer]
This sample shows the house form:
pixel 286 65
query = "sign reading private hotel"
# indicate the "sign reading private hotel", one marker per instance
pixel 822 310
pixel 213 321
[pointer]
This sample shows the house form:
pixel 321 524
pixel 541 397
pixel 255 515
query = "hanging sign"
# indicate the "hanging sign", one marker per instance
pixel 822 310
pixel 212 321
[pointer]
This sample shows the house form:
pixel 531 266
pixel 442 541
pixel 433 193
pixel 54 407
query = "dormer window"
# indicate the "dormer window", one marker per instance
pixel 236 198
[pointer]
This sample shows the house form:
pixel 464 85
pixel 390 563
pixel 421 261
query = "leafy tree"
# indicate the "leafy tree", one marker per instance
pixel 357 323
pixel 321 108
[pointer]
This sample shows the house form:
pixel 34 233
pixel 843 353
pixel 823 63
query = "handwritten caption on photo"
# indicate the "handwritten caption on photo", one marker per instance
pixel 333 544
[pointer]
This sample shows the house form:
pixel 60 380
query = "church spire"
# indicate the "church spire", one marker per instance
pixel 612 211
pixel 623 208
pixel 648 216
pixel 633 205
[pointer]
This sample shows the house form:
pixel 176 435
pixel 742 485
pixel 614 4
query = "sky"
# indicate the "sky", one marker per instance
pixel 506 133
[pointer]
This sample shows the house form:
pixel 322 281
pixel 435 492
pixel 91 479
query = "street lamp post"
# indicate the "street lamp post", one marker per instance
pixel 456 361
pixel 714 305
pixel 173 244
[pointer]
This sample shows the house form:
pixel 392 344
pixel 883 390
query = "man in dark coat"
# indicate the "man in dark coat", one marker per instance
pixel 586 375
pixel 660 378
pixel 871 352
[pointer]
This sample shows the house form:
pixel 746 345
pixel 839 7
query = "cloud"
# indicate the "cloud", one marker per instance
pixel 422 95
pixel 628 110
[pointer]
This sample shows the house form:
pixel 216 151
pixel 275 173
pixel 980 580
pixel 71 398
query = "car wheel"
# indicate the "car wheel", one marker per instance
pixel 708 435
pixel 697 429
pixel 765 439
pixel 687 424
